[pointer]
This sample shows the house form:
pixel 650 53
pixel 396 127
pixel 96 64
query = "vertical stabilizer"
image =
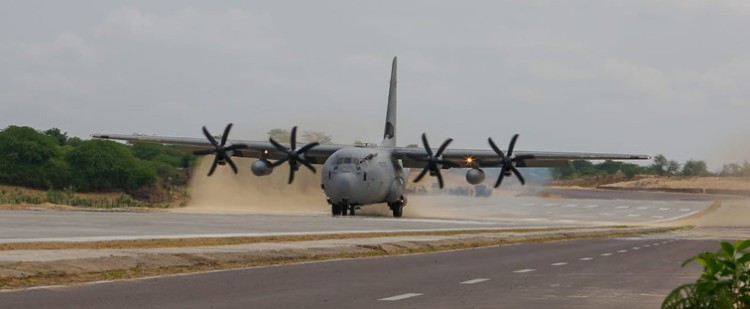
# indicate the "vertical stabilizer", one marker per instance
pixel 389 139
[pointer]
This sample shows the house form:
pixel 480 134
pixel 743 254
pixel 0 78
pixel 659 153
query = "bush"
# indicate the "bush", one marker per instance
pixel 108 166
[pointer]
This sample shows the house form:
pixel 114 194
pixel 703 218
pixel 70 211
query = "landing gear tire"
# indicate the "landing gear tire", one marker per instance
pixel 398 211
pixel 344 209
pixel 336 209
pixel 351 210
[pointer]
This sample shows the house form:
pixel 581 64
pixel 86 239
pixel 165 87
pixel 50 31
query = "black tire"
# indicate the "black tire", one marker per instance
pixel 398 211
pixel 336 209
pixel 344 209
pixel 351 210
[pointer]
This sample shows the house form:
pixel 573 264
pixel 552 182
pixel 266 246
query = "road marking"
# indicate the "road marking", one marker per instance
pixel 606 214
pixel 533 219
pixel 521 271
pixel 559 264
pixel 664 208
pixel 529 204
pixel 633 215
pixel 684 209
pixel 606 254
pixel 567 221
pixel 643 207
pixel 550 204
pixel 473 281
pixel 655 244
pixel 622 251
pixel 571 205
pixel 400 297
pixel 664 242
pixel 591 206
pixel 623 207
pixel 657 217
pixel 586 259
pixel 635 248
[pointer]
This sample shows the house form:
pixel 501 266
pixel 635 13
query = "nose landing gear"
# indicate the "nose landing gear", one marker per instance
pixel 398 207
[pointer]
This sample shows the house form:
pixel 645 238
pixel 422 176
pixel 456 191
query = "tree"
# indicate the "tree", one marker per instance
pixel 280 135
pixel 673 168
pixel 108 166
pixel 55 133
pixel 316 136
pixel 30 158
pixel 731 169
pixel 695 168
pixel 660 165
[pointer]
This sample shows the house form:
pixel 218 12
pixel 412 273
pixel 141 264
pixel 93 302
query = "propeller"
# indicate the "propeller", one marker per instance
pixel 433 160
pixel 507 161
pixel 222 153
pixel 293 156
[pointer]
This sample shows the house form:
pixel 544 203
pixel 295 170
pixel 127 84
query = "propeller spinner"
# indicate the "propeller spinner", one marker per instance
pixel 223 154
pixel 433 160
pixel 293 156
pixel 507 161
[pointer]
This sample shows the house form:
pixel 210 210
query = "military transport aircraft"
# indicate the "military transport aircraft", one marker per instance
pixel 355 176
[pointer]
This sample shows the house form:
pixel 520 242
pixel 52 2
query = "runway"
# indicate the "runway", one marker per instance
pixel 426 213
pixel 603 273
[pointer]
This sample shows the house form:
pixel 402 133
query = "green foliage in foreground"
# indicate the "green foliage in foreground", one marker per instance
pixel 51 159
pixel 68 197
pixel 724 283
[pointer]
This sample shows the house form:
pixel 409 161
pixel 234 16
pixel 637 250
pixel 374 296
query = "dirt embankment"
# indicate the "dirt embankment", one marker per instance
pixel 700 185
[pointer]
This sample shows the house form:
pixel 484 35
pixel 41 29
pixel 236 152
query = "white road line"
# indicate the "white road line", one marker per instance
pixel 643 207
pixel 684 209
pixel 586 259
pixel 400 297
pixel 635 248
pixel 664 242
pixel 657 217
pixel 656 244
pixel 591 206
pixel 646 246
pixel 532 219
pixel 622 251
pixel 567 221
pixel 521 271
pixel 550 204
pixel 606 214
pixel 559 264
pixel 473 281
pixel 529 204
pixel 623 207
pixel 606 254
pixel 633 215
pixel 571 205
pixel 664 208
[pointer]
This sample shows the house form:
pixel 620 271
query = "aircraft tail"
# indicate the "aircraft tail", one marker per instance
pixel 389 139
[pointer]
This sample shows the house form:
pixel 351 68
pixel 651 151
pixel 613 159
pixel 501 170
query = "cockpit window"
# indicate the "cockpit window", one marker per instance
pixel 348 160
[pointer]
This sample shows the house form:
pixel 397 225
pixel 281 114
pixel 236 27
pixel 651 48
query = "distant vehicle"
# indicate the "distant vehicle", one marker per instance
pixel 355 176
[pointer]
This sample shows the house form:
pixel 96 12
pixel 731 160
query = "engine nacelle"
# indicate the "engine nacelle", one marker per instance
pixel 475 176
pixel 261 168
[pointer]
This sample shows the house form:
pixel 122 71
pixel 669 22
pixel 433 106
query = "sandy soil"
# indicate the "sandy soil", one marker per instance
pixel 721 183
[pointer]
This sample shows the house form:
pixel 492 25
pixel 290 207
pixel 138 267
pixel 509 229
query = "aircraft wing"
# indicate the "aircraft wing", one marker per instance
pixel 488 158
pixel 316 155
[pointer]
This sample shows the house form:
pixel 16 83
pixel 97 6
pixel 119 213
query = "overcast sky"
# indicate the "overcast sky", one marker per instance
pixel 670 77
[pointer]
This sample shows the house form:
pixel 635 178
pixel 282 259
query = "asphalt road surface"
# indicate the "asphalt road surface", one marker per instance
pixel 434 213
pixel 603 273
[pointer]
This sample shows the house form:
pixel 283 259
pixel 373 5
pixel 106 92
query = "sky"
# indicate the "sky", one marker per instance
pixel 654 77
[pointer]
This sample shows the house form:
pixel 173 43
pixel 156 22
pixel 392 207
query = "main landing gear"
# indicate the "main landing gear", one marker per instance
pixel 342 209
pixel 398 207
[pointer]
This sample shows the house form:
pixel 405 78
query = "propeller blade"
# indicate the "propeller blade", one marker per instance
pixel 209 137
pixel 293 140
pixel 278 146
pixel 213 166
pixel 440 179
pixel 512 145
pixel 291 175
pixel 518 174
pixel 308 147
pixel 494 147
pixel 236 147
pixel 500 178
pixel 443 146
pixel 421 174
pixel 280 162
pixel 308 165
pixel 426 145
pixel 231 164
pixel 204 152
pixel 226 134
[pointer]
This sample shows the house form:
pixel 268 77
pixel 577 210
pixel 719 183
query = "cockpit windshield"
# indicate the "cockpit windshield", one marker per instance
pixel 347 160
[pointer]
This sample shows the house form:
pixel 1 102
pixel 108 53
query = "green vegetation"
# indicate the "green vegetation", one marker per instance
pixel 661 166
pixel 724 283
pixel 50 159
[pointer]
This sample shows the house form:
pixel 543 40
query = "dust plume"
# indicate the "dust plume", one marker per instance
pixel 225 192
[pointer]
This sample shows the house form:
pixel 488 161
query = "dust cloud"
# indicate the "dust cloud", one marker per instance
pixel 225 192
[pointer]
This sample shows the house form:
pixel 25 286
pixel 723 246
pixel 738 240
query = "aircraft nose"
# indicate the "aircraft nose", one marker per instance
pixel 342 186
